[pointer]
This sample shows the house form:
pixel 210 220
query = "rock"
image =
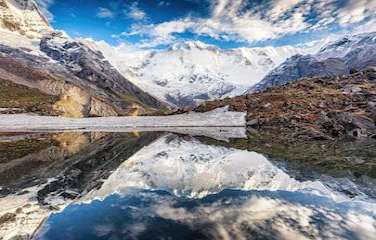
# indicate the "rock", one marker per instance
pixel 313 108
pixel 371 73
pixel 267 106
pixel 357 133
pixel 23 17
pixel 355 125
pixel 7 217
pixel 371 105
pixel 351 89
pixel 253 122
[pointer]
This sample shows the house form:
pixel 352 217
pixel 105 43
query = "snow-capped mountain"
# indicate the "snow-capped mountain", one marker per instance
pixel 24 17
pixel 190 72
pixel 336 58
pixel 189 168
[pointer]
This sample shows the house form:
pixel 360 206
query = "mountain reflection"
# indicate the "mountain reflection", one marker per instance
pixel 188 168
pixel 230 214
pixel 168 186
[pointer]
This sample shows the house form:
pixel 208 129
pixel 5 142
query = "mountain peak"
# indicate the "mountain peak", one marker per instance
pixel 189 45
pixel 23 17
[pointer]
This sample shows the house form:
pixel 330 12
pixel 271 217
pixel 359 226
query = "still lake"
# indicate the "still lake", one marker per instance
pixel 159 185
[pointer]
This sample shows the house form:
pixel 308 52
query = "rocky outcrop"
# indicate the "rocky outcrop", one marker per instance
pixel 337 58
pixel 312 108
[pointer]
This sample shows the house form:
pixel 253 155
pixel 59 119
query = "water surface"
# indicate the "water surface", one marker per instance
pixel 158 185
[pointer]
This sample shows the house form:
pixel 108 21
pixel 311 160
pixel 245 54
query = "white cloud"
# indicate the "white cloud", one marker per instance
pixel 104 13
pixel 159 33
pixel 135 12
pixel 230 19
pixel 356 11
pixel 281 6
pixel 164 3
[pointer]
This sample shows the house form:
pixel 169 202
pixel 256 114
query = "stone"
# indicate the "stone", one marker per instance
pixel 253 122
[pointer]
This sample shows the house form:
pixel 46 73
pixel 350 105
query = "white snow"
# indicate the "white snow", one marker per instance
pixel 220 117
pixel 339 48
pixel 191 72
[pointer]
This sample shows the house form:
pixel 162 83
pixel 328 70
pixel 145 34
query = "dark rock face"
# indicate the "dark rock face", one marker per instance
pixel 91 66
pixel 346 55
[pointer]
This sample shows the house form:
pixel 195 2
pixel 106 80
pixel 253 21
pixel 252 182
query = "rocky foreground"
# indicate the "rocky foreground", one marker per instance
pixel 320 108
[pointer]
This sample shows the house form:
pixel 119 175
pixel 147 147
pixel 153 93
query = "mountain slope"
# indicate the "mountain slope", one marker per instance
pixel 16 98
pixel 91 67
pixel 339 57
pixel 191 72
pixel 38 57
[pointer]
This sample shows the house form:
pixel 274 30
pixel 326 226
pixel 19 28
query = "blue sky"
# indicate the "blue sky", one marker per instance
pixel 225 23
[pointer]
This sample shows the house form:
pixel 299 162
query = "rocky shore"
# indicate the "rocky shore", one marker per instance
pixel 319 108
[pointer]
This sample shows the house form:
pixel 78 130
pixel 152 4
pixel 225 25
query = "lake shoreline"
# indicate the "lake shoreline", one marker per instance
pixel 217 118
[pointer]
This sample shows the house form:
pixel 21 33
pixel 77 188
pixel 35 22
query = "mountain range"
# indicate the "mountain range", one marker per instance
pixel 188 73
